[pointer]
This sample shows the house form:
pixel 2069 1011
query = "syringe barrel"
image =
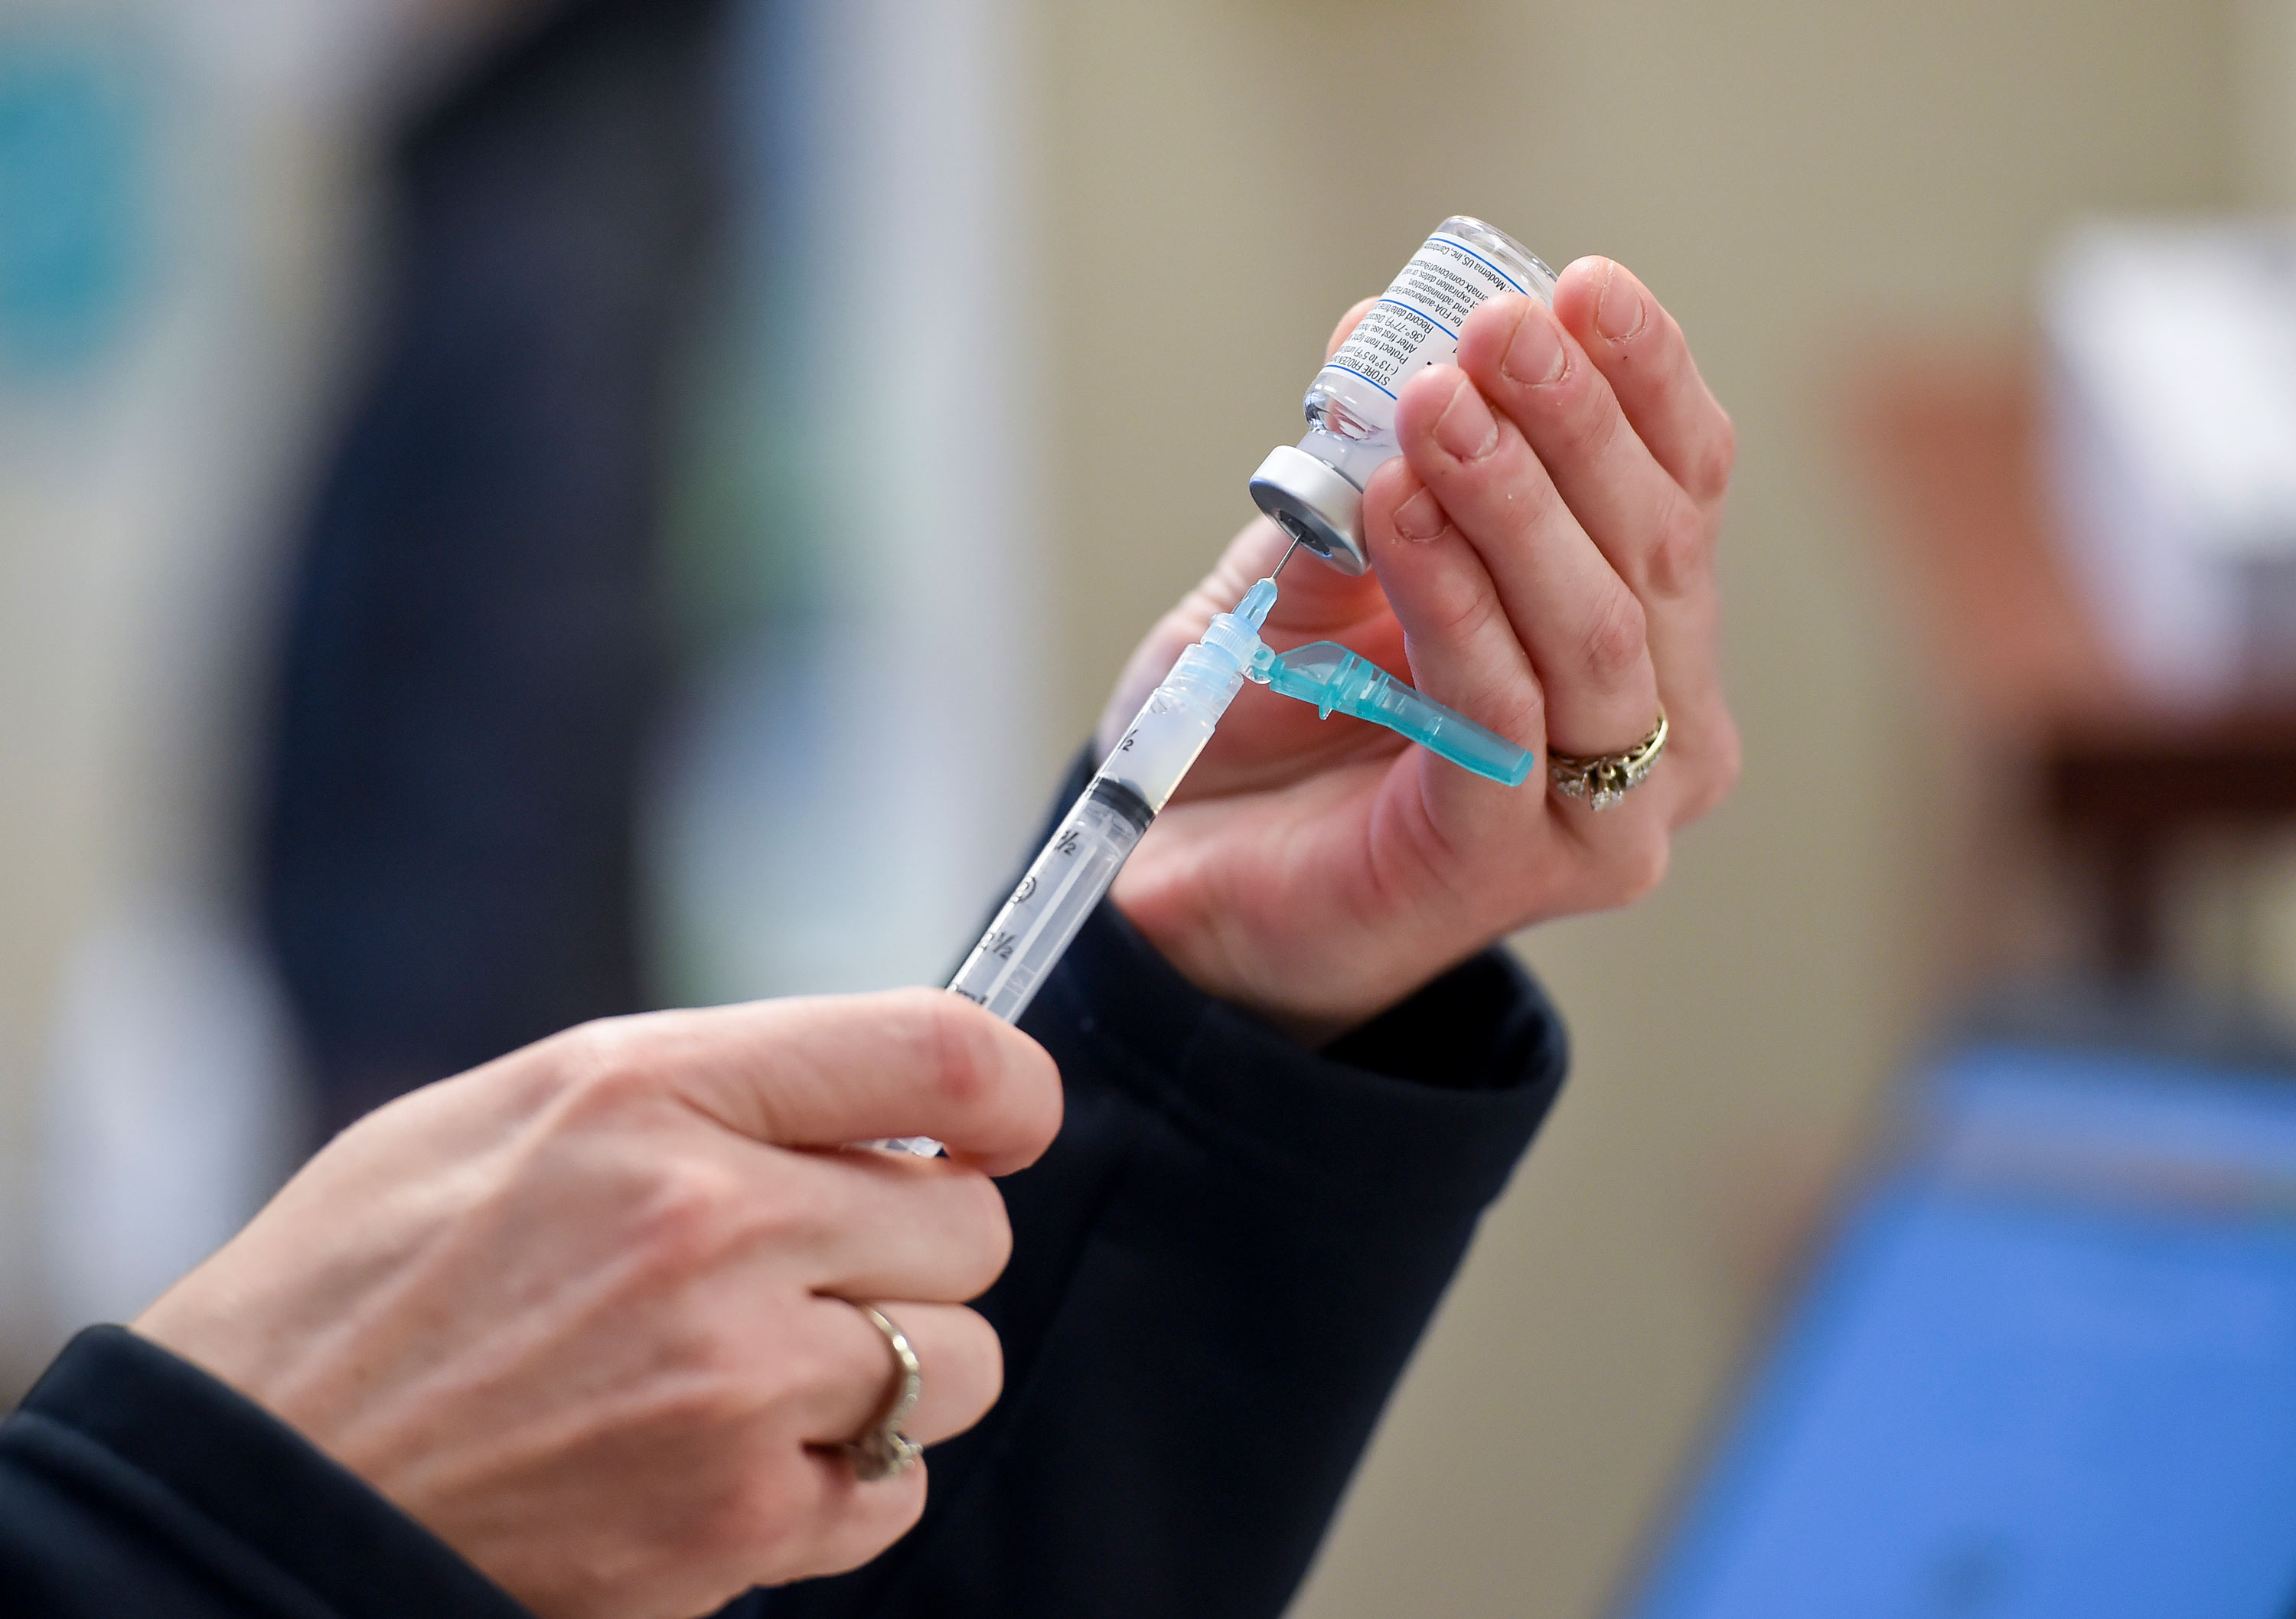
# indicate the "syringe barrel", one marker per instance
pixel 1097 836
pixel 1035 926
pixel 1173 726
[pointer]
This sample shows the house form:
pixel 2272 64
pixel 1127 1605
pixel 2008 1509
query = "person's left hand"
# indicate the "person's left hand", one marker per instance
pixel 1543 557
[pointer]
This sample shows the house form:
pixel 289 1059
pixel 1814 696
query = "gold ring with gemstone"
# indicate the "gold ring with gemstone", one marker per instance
pixel 1602 779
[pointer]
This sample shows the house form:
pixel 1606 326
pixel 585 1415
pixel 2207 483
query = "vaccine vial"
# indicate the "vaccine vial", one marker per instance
pixel 1315 492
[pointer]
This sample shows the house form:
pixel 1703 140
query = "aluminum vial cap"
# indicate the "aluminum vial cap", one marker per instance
pixel 1314 505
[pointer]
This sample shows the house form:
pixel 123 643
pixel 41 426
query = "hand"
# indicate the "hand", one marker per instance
pixel 1543 557
pixel 583 1312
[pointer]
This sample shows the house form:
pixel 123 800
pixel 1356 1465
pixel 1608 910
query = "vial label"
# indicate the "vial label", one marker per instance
pixel 1416 324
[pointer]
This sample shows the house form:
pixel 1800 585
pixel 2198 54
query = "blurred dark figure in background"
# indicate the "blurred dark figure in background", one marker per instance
pixel 471 660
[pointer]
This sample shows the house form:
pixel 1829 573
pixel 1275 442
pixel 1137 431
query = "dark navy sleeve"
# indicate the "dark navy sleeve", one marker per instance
pixel 132 1482
pixel 1220 1270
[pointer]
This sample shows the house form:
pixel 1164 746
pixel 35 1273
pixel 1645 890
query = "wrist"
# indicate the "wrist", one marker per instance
pixel 1299 1005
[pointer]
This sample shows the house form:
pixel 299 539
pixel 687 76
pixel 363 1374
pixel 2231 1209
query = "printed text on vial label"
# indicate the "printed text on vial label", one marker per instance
pixel 1417 322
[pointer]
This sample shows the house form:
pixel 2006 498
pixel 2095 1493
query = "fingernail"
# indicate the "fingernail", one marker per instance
pixel 1535 354
pixel 1466 427
pixel 1419 517
pixel 1619 313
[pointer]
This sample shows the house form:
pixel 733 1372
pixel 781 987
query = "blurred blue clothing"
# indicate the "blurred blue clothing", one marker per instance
pixel 473 666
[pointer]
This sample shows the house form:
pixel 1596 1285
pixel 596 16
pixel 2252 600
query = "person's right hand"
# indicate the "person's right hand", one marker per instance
pixel 585 1313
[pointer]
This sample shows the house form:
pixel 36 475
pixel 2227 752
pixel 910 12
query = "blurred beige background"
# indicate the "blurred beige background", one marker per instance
pixel 1797 181
pixel 1218 180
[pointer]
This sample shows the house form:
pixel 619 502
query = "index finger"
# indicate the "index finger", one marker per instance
pixel 828 1071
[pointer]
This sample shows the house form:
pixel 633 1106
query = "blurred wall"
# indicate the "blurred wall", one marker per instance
pixel 2264 101
pixel 183 170
pixel 1797 180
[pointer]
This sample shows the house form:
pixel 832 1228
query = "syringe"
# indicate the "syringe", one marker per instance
pixel 1099 833
pixel 1035 927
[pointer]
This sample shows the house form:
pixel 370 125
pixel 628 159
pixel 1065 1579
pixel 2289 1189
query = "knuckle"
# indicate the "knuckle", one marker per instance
pixel 1731 758
pixel 1708 475
pixel 705 1394
pixel 1532 505
pixel 762 1510
pixel 1722 758
pixel 1463 606
pixel 1639 866
pixel 804 1362
pixel 692 1212
pixel 981 1345
pixel 1617 637
pixel 984 1234
pixel 600 1067
pixel 973 1365
pixel 1588 422
pixel 1680 549
pixel 1518 713
pixel 711 1396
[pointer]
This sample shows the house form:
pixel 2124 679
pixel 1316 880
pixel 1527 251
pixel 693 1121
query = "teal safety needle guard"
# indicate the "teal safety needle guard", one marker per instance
pixel 1338 681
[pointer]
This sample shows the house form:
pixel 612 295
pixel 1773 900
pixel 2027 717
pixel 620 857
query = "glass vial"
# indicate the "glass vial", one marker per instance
pixel 1315 492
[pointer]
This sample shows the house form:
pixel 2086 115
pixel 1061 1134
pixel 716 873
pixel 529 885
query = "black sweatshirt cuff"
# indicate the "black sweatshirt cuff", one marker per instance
pixel 206 1479
pixel 1428 1108
pixel 1219 1269
pixel 1435 1097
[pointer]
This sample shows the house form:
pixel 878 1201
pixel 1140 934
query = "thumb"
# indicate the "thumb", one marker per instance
pixel 829 1071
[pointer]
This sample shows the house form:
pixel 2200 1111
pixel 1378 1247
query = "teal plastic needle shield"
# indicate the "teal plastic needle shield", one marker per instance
pixel 1090 844
pixel 1338 681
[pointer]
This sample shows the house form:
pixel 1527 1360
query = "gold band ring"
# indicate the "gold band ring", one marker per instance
pixel 884 1452
pixel 1602 779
